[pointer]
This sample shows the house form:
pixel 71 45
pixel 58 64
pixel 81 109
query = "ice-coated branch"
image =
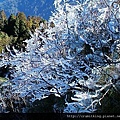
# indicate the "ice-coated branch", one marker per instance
pixel 80 55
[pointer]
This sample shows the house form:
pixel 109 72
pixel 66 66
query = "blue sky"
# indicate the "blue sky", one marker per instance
pixel 41 8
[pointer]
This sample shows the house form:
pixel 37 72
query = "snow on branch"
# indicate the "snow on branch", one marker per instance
pixel 79 54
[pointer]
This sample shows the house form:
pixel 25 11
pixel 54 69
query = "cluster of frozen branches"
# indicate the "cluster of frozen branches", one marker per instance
pixel 78 54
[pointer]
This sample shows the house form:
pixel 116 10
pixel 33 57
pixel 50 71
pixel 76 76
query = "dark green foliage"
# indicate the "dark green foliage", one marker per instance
pixel 33 22
pixel 4 40
pixel 3 19
pixel 2 15
pixel 21 16
pixel 17 28
pixel 11 27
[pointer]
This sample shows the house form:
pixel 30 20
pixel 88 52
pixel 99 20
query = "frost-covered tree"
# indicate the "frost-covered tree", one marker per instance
pixel 76 59
pixel 90 29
